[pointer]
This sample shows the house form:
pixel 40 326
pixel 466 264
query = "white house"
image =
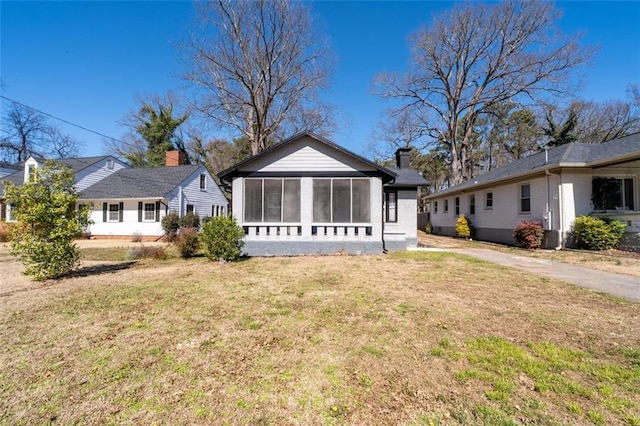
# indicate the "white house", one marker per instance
pixel 308 195
pixel 133 201
pixel 552 187
pixel 87 171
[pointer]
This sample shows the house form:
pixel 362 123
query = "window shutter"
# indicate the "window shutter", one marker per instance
pixel 121 212
pixel 157 211
pixel 104 211
pixel 139 211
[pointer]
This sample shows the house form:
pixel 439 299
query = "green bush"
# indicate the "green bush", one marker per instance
pixel 222 239
pixel 187 242
pixel 48 222
pixel 463 227
pixel 190 220
pixel 170 224
pixel 528 234
pixel 593 233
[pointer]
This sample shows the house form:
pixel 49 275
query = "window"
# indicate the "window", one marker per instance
pixel 488 200
pixel 341 200
pixel 435 207
pixel 612 193
pixel 203 182
pixel 457 206
pixel 391 206
pixel 472 204
pixel 191 208
pixel 31 171
pixel 114 212
pixel 149 211
pixel 446 205
pixel 272 200
pixel 110 164
pixel 525 198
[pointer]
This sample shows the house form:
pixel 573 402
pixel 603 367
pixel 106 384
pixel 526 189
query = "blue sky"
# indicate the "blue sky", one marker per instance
pixel 87 61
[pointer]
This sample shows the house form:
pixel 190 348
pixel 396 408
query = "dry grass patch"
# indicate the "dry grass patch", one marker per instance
pixel 409 338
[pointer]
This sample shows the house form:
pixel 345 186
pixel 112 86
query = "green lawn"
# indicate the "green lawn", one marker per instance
pixel 407 338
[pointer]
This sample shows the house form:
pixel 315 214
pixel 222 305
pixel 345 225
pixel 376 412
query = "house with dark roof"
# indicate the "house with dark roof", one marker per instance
pixel 129 201
pixel 87 171
pixel 553 187
pixel 308 195
pixel 133 201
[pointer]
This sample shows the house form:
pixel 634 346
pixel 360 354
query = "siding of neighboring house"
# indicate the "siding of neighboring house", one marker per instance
pixel 96 172
pixel 129 225
pixel 202 200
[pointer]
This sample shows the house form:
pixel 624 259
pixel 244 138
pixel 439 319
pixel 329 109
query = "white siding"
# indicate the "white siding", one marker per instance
pixel 129 225
pixel 406 226
pixel 308 155
pixel 96 172
pixel 189 192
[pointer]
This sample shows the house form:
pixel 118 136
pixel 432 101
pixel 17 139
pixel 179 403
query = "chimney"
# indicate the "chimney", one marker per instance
pixel 403 156
pixel 174 158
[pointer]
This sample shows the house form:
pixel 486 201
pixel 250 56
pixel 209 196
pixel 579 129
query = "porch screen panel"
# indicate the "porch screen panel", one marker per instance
pixel 628 194
pixel 272 200
pixel 322 200
pixel 291 201
pixel 342 200
pixel 253 200
pixel 360 199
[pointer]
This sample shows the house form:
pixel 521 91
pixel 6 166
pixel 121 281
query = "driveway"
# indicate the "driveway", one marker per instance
pixel 624 286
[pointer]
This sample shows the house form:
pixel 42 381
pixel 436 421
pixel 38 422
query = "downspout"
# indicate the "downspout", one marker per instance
pixel 180 201
pixel 548 174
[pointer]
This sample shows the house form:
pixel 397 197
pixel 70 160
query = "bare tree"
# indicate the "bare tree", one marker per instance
pixel 259 64
pixel 474 57
pixel 26 133
pixel 603 121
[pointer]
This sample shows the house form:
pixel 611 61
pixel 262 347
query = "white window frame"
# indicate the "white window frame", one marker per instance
pixel 145 212
pixel 203 182
pixel 110 211
pixel 486 200
pixel 521 198
pixel 472 204
pixel 331 203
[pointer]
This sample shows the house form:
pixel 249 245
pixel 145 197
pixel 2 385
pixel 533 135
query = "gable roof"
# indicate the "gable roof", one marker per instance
pixel 81 163
pixel 139 182
pixel 580 155
pixel 226 175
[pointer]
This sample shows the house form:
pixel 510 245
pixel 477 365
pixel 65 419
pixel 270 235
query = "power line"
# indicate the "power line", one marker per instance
pixel 63 120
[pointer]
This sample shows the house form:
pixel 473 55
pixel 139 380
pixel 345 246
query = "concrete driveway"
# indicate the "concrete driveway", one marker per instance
pixel 606 282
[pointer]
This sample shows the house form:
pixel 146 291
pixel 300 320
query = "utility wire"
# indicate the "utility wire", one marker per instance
pixel 64 121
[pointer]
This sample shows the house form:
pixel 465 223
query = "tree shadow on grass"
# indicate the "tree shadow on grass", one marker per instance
pixel 109 268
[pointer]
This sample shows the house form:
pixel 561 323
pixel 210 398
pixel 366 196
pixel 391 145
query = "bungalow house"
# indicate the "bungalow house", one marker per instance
pixel 308 195
pixel 126 201
pixel 133 201
pixel 87 171
pixel 553 187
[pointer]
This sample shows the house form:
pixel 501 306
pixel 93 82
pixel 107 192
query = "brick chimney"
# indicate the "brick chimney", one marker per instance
pixel 403 157
pixel 174 158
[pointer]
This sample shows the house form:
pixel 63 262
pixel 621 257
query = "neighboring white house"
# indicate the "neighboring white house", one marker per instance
pixel 552 187
pixel 308 195
pixel 87 171
pixel 133 201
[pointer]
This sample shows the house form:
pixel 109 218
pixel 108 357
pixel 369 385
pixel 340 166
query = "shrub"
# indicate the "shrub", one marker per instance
pixel 170 224
pixel 146 252
pixel 187 242
pixel 190 220
pixel 136 237
pixel 222 238
pixel 45 207
pixel 594 233
pixel 528 234
pixel 5 231
pixel 463 227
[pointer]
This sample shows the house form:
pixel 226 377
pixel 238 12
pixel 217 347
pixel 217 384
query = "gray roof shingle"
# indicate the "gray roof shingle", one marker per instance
pixel 568 155
pixel 142 182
